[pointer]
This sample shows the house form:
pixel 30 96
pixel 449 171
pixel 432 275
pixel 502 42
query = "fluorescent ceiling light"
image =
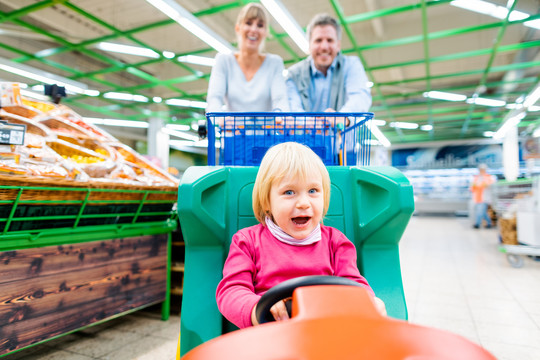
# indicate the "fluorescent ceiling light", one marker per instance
pixel 178 127
pixel 117 122
pixel 489 133
pixel 373 142
pixel 441 95
pixel 288 23
pixel 128 49
pixel 369 84
pixel 485 102
pixel 192 24
pixel 125 96
pixel 512 119
pixel 426 127
pixel 404 125
pixel 168 54
pixel 34 95
pixel 180 134
pixel 200 143
pixel 42 76
pixel 378 122
pixel 533 108
pixel 157 99
pixel 186 103
pixel 496 11
pixel 536 133
pixel 378 134
pixel 198 60
pixel 533 97
pixel 91 92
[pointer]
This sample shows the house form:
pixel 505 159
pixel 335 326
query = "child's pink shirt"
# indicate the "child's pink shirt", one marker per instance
pixel 258 261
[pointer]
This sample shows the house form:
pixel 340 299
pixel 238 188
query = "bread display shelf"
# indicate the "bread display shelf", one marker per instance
pixel 75 216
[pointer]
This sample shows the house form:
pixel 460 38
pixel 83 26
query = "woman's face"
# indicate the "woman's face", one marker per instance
pixel 251 33
pixel 297 205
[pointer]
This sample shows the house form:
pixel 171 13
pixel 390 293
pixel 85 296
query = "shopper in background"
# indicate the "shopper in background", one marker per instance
pixel 327 80
pixel 248 80
pixel 290 198
pixel 480 183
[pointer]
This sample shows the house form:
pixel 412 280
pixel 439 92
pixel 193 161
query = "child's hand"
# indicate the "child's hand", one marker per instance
pixel 379 304
pixel 279 310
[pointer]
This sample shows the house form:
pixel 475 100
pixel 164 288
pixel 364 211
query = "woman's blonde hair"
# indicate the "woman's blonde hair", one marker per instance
pixel 252 11
pixel 289 159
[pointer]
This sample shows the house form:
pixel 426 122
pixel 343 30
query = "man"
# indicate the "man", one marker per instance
pixel 327 80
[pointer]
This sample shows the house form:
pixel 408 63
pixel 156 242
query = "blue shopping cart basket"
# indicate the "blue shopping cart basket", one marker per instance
pixel 244 137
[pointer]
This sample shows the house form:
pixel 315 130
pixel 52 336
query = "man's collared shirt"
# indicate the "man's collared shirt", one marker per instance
pixel 358 95
pixel 319 92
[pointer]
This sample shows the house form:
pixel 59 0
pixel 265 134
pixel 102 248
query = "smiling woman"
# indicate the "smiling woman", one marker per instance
pixel 248 80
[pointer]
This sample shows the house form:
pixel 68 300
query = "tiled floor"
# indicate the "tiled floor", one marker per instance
pixel 454 277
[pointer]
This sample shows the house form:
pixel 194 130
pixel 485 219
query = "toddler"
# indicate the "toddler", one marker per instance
pixel 290 198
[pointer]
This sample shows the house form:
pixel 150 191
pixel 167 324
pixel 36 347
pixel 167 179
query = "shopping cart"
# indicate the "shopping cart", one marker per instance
pixel 244 137
pixel 513 201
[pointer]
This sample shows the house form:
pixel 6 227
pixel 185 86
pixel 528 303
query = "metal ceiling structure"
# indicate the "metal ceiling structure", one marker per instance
pixel 408 47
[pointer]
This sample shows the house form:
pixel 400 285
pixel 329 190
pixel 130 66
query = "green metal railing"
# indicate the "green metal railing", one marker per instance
pixel 43 215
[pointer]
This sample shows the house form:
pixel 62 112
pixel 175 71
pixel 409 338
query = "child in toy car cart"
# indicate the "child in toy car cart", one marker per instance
pixel 290 198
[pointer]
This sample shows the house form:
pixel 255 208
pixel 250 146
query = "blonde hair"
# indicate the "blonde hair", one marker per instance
pixel 289 159
pixel 252 11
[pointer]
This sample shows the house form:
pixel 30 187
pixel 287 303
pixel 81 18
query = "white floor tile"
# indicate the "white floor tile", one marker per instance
pixel 456 279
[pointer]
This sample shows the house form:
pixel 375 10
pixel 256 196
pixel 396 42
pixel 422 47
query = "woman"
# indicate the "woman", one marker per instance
pixel 248 80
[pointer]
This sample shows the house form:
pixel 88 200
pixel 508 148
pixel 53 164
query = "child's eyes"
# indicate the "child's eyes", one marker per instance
pixel 288 192
pixel 313 191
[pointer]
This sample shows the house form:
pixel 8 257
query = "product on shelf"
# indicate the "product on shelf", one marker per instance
pixel 508 229
pixel 59 144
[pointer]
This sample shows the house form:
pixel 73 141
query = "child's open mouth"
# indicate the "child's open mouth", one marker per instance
pixel 300 220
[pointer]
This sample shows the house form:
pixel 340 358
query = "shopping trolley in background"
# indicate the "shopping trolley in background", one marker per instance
pixel 518 210
pixel 244 137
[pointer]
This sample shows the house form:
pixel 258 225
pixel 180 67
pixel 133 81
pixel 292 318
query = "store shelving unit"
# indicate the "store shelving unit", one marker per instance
pixel 441 190
pixel 177 271
pixel 73 256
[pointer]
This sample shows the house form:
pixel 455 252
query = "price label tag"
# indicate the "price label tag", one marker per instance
pixel 12 134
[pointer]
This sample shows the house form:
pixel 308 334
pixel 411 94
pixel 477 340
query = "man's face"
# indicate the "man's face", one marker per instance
pixel 324 46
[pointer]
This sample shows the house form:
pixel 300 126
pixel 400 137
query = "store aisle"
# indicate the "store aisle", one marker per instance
pixel 454 277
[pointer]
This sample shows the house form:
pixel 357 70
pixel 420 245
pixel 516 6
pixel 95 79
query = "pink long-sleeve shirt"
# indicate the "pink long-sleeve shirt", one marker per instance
pixel 257 261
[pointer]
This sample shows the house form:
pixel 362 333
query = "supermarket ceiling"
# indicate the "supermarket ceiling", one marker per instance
pixel 485 52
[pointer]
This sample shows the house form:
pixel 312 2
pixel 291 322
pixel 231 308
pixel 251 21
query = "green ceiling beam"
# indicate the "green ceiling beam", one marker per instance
pixel 461 55
pixel 425 34
pixel 46 62
pixel 146 27
pixel 502 68
pixel 29 9
pixel 390 11
pixel 341 16
pixel 435 111
pixel 442 34
pixel 120 33
pixel 483 80
pixel 493 84
pixel 98 109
